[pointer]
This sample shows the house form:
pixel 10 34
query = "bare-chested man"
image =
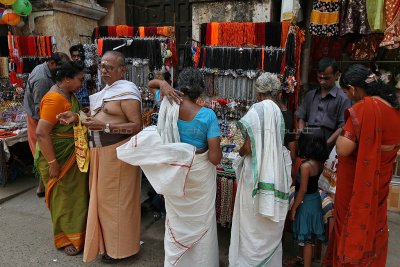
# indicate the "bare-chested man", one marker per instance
pixel 113 225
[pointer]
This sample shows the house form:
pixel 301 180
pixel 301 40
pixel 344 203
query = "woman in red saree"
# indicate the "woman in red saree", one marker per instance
pixel 366 151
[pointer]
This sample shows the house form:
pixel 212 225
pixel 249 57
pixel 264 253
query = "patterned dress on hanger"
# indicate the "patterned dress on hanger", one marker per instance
pixel 353 18
pixel 392 32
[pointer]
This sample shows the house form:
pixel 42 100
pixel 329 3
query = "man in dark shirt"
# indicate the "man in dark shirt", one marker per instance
pixel 324 107
pixel 77 55
pixel 40 80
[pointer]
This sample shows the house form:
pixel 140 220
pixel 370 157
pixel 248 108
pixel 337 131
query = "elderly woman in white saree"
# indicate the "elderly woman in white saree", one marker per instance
pixel 179 158
pixel 262 198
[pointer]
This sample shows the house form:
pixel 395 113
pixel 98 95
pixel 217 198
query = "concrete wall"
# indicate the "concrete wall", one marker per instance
pixel 70 22
pixel 116 13
pixel 229 11
pixel 66 28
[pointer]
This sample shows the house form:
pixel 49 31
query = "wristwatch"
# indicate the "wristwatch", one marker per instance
pixel 107 129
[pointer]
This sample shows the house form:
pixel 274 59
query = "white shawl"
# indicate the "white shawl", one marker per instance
pixel 119 90
pixel 165 164
pixel 271 161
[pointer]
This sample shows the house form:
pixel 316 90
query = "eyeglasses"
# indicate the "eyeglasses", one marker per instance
pixel 106 67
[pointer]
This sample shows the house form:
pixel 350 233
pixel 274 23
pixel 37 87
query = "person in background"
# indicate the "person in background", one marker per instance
pixel 366 149
pixel 324 107
pixel 191 229
pixel 67 194
pixel 77 55
pixel 40 80
pixel 306 212
pixel 263 174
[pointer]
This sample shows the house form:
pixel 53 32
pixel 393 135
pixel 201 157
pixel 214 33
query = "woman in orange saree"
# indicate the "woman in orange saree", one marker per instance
pixel 67 190
pixel 366 152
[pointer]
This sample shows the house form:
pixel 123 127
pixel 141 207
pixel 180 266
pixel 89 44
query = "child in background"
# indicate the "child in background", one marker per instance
pixel 306 212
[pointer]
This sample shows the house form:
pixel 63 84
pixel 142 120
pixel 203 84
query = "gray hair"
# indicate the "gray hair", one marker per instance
pixel 268 83
pixel 120 57
pixel 191 82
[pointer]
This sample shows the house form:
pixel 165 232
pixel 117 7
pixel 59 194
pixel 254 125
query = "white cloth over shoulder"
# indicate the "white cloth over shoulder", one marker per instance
pixel 165 162
pixel 167 123
pixel 166 166
pixel 119 90
pixel 262 197
pixel 271 161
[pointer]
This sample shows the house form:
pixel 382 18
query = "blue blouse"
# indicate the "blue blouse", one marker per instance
pixel 197 131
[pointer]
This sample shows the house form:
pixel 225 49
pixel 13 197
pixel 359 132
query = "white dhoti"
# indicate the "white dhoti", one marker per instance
pixel 191 227
pixel 188 183
pixel 255 239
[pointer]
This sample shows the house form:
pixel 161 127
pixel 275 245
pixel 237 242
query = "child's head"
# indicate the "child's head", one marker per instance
pixel 312 145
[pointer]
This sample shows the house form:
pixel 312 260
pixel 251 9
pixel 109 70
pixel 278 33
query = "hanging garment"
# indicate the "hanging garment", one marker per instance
pixel 353 18
pixel 324 19
pixel 375 12
pixel 366 48
pixel 290 10
pixel 392 32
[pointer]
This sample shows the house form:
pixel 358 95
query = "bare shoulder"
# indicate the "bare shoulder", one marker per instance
pixel 129 101
pixel 305 166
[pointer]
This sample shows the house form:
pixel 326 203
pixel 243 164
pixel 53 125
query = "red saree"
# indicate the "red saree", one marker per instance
pixel 360 230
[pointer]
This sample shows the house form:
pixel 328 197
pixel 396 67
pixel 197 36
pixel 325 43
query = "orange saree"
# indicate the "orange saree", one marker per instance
pixel 360 230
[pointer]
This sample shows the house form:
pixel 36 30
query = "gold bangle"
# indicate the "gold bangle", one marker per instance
pixel 50 162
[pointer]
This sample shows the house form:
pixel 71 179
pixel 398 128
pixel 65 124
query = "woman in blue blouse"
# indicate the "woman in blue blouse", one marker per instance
pixel 197 125
pixel 191 230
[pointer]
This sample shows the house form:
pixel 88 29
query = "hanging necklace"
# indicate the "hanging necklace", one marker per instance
pixel 63 93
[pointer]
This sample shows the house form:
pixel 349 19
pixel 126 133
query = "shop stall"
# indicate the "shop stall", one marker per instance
pixel 19 55
pixel 232 55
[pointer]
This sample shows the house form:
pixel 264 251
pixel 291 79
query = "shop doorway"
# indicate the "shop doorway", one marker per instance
pixel 176 13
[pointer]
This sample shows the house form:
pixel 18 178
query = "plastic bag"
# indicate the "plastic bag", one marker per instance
pixel 81 147
pixel 327 179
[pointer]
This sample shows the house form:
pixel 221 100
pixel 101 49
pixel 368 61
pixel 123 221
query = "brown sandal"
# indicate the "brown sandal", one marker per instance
pixel 107 259
pixel 71 250
pixel 295 261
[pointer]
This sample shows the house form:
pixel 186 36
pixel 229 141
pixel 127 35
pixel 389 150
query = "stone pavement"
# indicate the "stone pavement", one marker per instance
pixel 26 237
pixel 19 186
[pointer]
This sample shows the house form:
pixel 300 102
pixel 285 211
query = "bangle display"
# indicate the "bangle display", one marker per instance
pixel 52 161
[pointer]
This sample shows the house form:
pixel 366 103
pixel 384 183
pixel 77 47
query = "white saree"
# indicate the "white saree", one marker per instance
pixel 187 182
pixel 262 198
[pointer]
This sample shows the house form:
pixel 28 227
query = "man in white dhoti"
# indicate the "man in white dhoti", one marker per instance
pixel 179 160
pixel 262 197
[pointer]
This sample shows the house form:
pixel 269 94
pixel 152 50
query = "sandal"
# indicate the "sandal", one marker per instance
pixel 71 250
pixel 40 194
pixel 107 259
pixel 295 261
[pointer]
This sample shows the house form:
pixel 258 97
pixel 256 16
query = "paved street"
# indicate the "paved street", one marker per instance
pixel 26 238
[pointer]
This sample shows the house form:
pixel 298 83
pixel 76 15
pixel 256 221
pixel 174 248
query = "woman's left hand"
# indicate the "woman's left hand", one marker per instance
pixel 292 214
pixel 94 124
pixel 66 117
